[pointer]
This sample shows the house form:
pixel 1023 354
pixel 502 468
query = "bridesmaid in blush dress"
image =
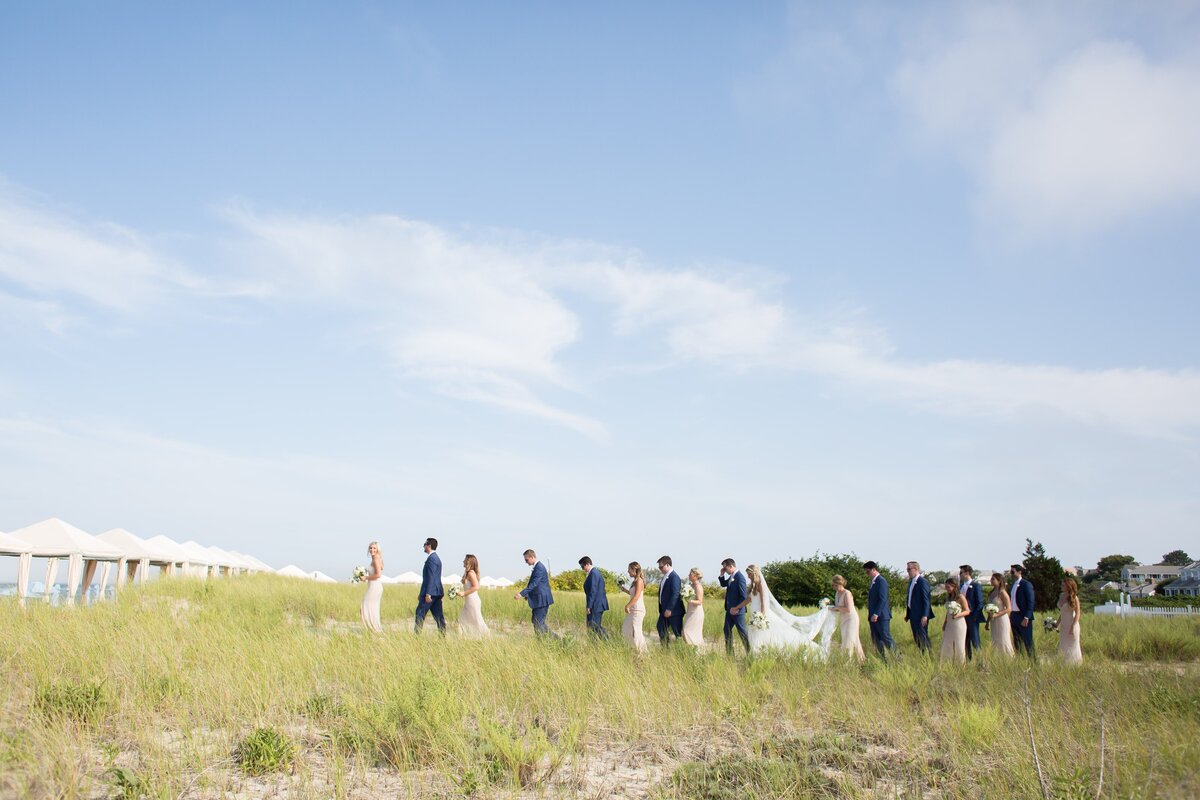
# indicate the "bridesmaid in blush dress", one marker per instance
pixel 470 621
pixel 1068 623
pixel 635 609
pixel 954 627
pixel 370 603
pixel 693 622
pixel 843 604
pixel 1000 623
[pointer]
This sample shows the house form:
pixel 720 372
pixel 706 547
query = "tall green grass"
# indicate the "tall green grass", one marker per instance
pixel 207 689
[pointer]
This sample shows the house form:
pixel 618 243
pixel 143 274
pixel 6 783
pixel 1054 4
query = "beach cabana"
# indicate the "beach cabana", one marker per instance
pixel 488 582
pixel 321 577
pixel 171 549
pixel 248 563
pixel 225 560
pixel 503 583
pixel 200 560
pixel 137 556
pixel 12 546
pixel 292 571
pixel 450 579
pixel 408 578
pixel 53 539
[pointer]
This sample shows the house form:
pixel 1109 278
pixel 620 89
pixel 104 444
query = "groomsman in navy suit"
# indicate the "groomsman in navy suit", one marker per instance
pixel 1021 594
pixel 537 593
pixel 736 592
pixel 918 611
pixel 972 592
pixel 670 604
pixel 595 597
pixel 879 610
pixel 429 598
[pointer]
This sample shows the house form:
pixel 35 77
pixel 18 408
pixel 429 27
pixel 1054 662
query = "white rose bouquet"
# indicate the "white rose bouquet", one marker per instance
pixel 991 610
pixel 623 580
pixel 953 609
pixel 687 592
pixel 1050 623
pixel 759 620
pixel 454 592
pixel 824 602
pixel 359 575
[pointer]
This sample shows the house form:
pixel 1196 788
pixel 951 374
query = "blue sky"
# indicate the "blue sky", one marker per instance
pixel 691 279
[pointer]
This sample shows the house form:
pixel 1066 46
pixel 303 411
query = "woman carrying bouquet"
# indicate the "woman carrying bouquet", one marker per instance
pixel 847 615
pixel 1068 623
pixel 998 620
pixel 635 609
pixel 370 603
pixel 693 622
pixel 954 626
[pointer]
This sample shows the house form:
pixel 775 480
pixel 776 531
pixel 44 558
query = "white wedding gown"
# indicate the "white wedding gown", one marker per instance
pixel 811 634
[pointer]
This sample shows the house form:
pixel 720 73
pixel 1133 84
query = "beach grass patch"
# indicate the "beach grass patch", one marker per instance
pixel 264 751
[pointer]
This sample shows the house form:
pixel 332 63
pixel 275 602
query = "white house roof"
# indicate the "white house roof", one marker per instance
pixel 11 545
pixel 292 571
pixel 197 553
pixel 407 577
pixel 321 577
pixel 132 547
pixel 55 538
pixel 169 547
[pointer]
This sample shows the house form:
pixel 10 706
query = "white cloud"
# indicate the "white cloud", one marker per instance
pixel 1064 125
pixel 49 255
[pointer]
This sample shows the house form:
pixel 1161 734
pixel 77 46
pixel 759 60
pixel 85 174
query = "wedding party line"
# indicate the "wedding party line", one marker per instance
pixel 753 615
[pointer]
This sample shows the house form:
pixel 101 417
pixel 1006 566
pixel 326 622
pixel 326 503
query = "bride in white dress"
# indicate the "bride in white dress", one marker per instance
pixel 811 634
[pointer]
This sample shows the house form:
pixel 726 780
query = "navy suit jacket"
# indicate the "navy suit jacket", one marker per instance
pixel 878 602
pixel 537 593
pixel 919 606
pixel 431 577
pixel 736 589
pixel 1024 600
pixel 974 598
pixel 593 592
pixel 668 595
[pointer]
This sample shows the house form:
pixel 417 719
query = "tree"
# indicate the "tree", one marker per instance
pixel 1045 573
pixel 1109 567
pixel 803 582
pixel 1177 558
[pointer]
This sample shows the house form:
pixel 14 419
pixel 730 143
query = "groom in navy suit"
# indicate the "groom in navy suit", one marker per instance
pixel 429 598
pixel 670 604
pixel 736 591
pixel 879 610
pixel 972 592
pixel 594 596
pixel 919 610
pixel 1021 594
pixel 537 594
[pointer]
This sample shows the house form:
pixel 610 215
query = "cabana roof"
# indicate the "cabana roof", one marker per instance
pixel 53 538
pixel 197 553
pixel 292 571
pixel 133 547
pixel 170 548
pixel 12 546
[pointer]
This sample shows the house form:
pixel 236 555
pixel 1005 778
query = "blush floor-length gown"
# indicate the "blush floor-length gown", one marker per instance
pixel 848 625
pixel 370 606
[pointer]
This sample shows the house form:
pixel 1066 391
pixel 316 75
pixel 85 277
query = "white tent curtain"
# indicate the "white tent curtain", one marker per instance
pixel 23 576
pixel 104 577
pixel 51 577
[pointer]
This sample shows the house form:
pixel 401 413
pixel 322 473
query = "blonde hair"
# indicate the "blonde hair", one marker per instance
pixel 378 549
pixel 637 571
pixel 838 580
pixel 696 571
pixel 471 563
pixel 755 578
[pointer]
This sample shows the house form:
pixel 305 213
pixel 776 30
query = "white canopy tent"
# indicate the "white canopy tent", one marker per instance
pixel 250 563
pixel 452 578
pixel 408 578
pixel 292 571
pixel 225 560
pixel 53 539
pixel 321 577
pixel 199 559
pixel 386 579
pixel 503 583
pixel 488 582
pixel 173 550
pixel 12 546
pixel 137 556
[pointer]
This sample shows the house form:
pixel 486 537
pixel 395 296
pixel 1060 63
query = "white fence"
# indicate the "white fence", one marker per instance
pixel 1124 608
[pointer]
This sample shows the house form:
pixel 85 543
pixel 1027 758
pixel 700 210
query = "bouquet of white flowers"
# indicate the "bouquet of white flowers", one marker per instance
pixel 991 610
pixel 1050 623
pixel 824 602
pixel 759 620
pixel 360 575
pixel 623 580
pixel 687 592
pixel 454 592
pixel 953 609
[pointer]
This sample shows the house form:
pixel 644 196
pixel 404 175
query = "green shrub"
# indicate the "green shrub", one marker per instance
pixel 82 702
pixel 127 784
pixel 264 751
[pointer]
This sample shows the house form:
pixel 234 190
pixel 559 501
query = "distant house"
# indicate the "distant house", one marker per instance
pixel 1188 584
pixel 1136 574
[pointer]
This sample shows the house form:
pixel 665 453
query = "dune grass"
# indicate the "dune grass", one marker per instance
pixel 209 689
